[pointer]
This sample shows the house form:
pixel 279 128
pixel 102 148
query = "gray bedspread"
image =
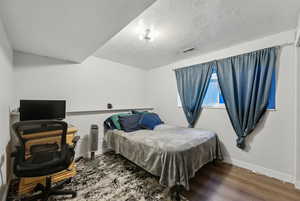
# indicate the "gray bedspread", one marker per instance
pixel 174 154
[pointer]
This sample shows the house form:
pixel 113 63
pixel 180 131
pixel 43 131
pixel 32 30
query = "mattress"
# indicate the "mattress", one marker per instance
pixel 172 153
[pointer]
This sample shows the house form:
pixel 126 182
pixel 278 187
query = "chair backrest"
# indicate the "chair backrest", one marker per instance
pixel 44 158
pixel 30 127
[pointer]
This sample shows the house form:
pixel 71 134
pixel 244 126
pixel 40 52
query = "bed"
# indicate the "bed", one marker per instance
pixel 172 153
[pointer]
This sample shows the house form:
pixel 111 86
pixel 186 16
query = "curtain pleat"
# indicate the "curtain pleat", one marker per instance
pixel 245 83
pixel 192 84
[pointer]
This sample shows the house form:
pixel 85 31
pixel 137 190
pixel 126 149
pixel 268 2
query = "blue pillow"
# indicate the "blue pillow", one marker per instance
pixel 149 121
pixel 130 123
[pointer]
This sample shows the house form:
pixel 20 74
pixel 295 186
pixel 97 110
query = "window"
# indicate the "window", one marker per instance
pixel 214 98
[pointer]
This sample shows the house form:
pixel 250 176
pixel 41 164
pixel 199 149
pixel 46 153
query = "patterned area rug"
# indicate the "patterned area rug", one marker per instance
pixel 111 177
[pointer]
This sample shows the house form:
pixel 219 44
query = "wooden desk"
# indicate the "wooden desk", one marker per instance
pixel 27 184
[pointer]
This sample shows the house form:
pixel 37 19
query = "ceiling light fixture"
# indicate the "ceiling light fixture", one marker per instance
pixel 147 36
pixel 146 33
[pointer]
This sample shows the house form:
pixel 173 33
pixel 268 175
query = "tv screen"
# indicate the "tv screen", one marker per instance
pixel 42 109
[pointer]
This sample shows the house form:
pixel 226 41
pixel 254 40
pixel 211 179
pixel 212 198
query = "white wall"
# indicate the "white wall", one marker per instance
pixel 271 148
pixel 297 151
pixel 5 96
pixel 90 85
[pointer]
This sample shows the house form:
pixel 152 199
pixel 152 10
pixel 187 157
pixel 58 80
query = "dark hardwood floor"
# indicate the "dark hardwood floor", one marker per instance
pixel 223 182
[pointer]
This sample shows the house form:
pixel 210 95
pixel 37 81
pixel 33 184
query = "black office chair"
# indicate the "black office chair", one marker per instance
pixel 44 159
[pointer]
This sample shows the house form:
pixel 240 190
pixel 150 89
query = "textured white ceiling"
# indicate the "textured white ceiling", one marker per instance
pixel 66 29
pixel 206 25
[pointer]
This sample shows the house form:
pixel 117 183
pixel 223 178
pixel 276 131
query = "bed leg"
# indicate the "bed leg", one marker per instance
pixel 176 190
pixel 177 196
pixel 215 162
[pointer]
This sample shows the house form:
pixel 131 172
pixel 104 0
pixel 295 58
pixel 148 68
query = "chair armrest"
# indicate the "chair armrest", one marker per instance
pixel 75 141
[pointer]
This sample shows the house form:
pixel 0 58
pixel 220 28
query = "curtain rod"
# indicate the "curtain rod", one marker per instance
pixel 279 46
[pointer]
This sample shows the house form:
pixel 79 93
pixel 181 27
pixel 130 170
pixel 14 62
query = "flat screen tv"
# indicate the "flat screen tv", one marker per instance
pixel 42 109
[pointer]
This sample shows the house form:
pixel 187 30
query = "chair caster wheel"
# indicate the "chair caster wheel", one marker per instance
pixel 68 181
pixel 74 195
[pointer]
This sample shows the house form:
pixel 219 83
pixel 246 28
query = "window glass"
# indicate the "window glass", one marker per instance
pixel 214 98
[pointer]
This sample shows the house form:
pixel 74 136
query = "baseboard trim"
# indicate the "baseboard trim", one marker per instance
pixel 261 170
pixel 297 184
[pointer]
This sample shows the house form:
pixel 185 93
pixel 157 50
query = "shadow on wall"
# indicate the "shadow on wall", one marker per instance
pixel 250 138
pixel 32 60
pixel 2 161
pixel 6 54
pixel 225 152
pixel 11 147
pixel 84 146
pixel 257 130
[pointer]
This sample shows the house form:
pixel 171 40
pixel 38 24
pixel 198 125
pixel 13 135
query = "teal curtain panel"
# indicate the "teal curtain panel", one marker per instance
pixel 192 84
pixel 245 82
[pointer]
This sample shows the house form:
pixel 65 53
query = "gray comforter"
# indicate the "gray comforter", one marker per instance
pixel 172 153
